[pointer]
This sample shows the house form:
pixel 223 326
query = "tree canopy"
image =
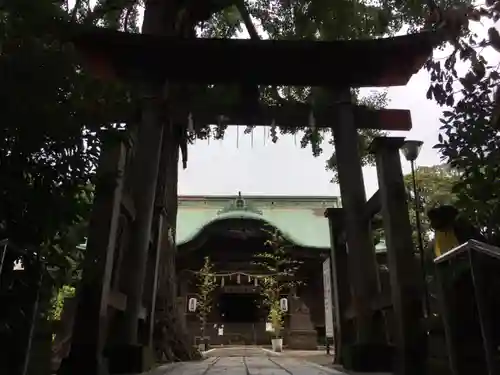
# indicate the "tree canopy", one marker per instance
pixel 469 134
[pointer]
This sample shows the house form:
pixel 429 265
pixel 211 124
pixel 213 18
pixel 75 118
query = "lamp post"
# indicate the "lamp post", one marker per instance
pixel 411 150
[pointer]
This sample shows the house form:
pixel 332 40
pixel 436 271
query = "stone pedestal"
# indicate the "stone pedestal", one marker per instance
pixel 302 340
pixel 301 334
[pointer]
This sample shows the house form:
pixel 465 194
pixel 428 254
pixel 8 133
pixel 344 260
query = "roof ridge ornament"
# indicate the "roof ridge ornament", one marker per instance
pixel 239 204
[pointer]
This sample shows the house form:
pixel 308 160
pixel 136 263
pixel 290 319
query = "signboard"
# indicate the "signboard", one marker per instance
pixel 327 289
pixel 239 289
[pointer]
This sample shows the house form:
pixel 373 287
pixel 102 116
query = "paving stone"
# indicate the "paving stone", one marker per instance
pixel 228 366
pixel 263 366
pixel 184 368
pixel 244 361
pixel 297 367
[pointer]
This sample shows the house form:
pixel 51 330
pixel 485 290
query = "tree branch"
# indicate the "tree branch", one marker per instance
pixel 252 31
pixel 101 10
pixel 74 12
pixel 247 20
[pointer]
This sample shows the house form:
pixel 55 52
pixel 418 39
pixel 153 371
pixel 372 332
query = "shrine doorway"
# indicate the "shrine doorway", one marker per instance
pixel 240 308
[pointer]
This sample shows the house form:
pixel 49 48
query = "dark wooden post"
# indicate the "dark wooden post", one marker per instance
pixel 340 277
pixel 362 262
pixel 153 287
pixel 479 272
pixel 405 282
pixel 145 173
pixel 90 325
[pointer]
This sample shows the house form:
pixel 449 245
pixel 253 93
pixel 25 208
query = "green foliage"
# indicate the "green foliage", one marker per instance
pixel 206 286
pixel 50 132
pixel 275 317
pixel 57 302
pixel 280 269
pixel 435 187
pixel 469 139
pixel 472 146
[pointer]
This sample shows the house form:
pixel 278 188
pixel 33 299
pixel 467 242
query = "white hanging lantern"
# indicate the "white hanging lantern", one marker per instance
pixel 192 303
pixel 222 282
pixel 255 282
pixel 238 278
pixel 284 304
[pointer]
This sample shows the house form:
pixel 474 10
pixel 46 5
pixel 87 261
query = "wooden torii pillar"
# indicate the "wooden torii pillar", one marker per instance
pixel 154 58
pixel 340 276
pixel 90 328
pixel 406 285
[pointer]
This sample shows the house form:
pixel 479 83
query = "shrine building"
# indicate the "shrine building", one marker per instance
pixel 229 230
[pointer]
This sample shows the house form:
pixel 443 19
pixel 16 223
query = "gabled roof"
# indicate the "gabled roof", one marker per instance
pixel 471 245
pixel 300 219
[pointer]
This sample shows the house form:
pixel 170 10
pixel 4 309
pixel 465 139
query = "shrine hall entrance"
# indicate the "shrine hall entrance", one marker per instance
pixel 240 308
pixel 241 317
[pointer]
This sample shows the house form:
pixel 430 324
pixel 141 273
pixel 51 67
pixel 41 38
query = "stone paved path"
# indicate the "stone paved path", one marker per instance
pixel 244 361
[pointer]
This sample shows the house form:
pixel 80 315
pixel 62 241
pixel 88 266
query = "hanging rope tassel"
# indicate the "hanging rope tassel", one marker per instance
pixel 190 124
pixel 312 121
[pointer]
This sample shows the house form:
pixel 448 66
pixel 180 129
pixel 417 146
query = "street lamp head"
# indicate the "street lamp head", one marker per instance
pixel 411 149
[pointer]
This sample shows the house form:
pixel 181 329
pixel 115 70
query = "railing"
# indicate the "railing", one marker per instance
pixel 469 292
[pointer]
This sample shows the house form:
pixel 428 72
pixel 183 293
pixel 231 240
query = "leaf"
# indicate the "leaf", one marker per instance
pixel 429 93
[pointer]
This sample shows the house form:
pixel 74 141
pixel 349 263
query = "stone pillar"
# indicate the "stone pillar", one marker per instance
pixel 340 281
pixel 406 288
pixel 362 262
pixel 90 325
pixel 301 334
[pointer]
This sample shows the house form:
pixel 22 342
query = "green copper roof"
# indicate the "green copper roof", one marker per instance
pixel 300 219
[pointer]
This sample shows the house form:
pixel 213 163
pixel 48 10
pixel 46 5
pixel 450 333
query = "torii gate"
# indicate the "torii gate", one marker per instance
pixel 158 59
